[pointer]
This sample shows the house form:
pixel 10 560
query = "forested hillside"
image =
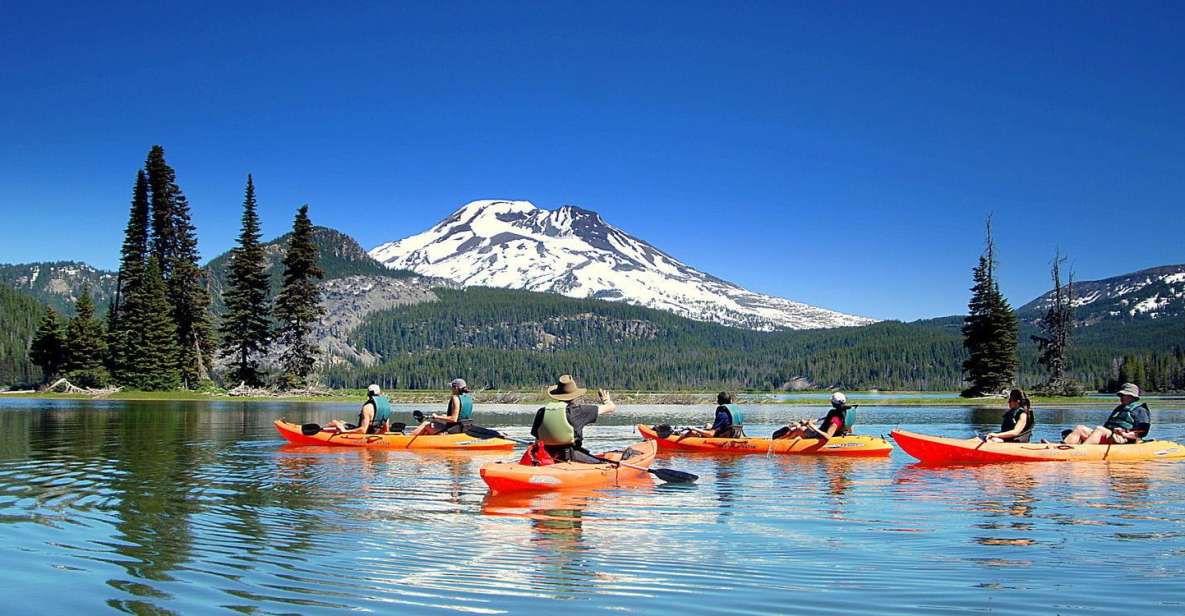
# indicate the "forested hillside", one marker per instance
pixel 19 314
pixel 504 338
pixel 339 256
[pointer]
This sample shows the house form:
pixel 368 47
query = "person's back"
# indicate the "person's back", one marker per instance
pixel 730 419
pixel 559 425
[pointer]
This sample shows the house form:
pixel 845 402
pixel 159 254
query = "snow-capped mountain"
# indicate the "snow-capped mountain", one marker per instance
pixel 574 252
pixel 1153 293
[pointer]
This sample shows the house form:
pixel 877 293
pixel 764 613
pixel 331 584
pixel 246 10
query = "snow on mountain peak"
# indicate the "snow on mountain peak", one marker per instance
pixel 574 252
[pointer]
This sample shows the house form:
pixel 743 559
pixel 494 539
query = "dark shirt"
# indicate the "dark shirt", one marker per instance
pixel 579 415
pixel 723 419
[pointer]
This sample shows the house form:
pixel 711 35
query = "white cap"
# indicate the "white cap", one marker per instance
pixel 838 399
pixel 458 384
pixel 373 390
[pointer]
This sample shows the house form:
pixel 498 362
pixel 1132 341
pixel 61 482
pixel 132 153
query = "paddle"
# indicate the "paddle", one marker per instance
pixel 668 475
pixel 480 432
pixel 310 429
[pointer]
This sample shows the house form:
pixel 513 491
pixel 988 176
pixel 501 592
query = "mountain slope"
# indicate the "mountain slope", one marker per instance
pixel 574 252
pixel 59 283
pixel 19 315
pixel 340 257
pixel 1154 293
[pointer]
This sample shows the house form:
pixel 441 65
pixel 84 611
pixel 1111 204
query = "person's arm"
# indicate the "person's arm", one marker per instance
pixel 832 427
pixel 367 417
pixel 454 411
pixel 722 421
pixel 536 423
pixel 607 405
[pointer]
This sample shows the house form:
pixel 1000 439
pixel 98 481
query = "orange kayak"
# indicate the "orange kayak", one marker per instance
pixel 943 450
pixel 851 445
pixel 395 440
pixel 505 477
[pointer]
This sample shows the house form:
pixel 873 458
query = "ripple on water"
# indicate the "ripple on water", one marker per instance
pixel 190 508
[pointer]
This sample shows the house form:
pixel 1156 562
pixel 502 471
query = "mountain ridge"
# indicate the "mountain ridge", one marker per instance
pixel 573 251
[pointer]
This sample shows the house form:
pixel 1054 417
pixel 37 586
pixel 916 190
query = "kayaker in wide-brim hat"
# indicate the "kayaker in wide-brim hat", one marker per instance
pixel 559 425
pixel 1128 423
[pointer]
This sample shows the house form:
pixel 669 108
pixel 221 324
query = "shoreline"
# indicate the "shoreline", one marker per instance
pixel 533 397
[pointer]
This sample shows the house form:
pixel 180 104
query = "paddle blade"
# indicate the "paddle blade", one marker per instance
pixel 671 475
pixel 663 430
pixel 418 416
pixel 480 432
pixel 310 429
pixel 396 426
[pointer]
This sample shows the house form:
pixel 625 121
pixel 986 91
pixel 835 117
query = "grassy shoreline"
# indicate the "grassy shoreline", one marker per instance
pixel 532 397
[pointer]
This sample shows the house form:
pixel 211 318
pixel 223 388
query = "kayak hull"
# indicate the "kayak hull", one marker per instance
pixel 506 477
pixel 942 450
pixel 853 445
pixel 331 438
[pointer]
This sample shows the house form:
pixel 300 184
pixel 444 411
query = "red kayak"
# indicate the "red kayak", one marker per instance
pixel 942 450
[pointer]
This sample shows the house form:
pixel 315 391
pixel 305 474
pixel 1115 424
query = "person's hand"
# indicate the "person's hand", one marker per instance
pixel 603 396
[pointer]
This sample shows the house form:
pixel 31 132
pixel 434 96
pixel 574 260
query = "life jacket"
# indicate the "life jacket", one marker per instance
pixel 555 429
pixel 736 414
pixel 845 414
pixel 382 413
pixel 466 411
pixel 1124 416
pixel 1012 417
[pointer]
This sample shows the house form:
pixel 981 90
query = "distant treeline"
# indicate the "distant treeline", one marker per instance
pixel 503 338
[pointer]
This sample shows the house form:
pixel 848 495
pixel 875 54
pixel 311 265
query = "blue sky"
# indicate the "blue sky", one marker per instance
pixel 839 154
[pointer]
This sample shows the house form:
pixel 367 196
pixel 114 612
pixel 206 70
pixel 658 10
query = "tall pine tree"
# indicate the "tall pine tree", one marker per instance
pixel 85 345
pixel 133 257
pixel 174 245
pixel 155 366
pixel 1054 344
pixel 48 350
pixel 298 305
pixel 246 328
pixel 989 331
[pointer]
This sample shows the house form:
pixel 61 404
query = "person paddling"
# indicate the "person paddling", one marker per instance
pixel 728 423
pixel 458 414
pixel 559 426
pixel 373 418
pixel 837 422
pixel 1018 423
pixel 1128 423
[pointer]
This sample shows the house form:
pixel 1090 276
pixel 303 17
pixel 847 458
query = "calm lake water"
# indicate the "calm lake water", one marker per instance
pixel 198 507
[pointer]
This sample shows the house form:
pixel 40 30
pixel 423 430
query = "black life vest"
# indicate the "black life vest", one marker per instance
pixel 845 416
pixel 1012 416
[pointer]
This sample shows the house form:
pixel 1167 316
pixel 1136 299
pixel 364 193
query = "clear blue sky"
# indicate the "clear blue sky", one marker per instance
pixel 842 155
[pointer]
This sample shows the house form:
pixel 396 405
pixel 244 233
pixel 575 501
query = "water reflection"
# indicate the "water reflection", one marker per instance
pixel 148 507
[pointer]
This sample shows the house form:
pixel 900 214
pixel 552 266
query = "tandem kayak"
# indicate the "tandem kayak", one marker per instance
pixel 505 477
pixel 393 440
pixel 850 445
pixel 943 450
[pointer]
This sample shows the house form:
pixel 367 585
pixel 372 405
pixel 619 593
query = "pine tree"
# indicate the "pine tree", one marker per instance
pixel 990 330
pixel 246 329
pixel 191 302
pixel 174 245
pixel 154 366
pixel 162 183
pixel 132 261
pixel 1054 343
pixel 298 305
pixel 85 345
pixel 48 350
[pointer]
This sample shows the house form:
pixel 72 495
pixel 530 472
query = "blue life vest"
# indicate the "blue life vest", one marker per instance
pixel 465 413
pixel 1124 416
pixel 737 415
pixel 382 412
